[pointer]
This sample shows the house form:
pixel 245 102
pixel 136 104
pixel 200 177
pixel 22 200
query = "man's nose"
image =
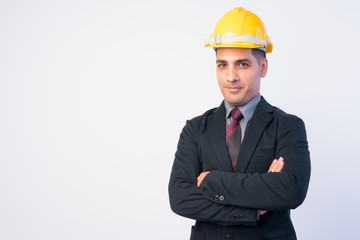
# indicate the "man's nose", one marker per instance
pixel 232 75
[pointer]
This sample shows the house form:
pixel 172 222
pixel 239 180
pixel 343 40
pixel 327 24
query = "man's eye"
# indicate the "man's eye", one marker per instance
pixel 221 65
pixel 243 65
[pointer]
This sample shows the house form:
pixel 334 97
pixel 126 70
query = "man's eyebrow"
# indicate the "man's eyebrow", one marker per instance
pixel 237 61
pixel 243 60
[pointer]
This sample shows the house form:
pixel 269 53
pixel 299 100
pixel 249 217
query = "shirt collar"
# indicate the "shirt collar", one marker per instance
pixel 247 109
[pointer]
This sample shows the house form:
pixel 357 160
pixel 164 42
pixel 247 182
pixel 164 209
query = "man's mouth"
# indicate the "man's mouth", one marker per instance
pixel 233 88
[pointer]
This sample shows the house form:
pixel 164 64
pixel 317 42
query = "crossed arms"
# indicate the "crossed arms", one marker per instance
pixel 276 166
pixel 218 196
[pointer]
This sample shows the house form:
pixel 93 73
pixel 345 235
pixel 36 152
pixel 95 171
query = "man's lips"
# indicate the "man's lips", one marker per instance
pixel 233 88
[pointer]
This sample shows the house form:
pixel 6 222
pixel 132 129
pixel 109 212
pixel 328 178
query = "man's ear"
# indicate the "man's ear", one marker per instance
pixel 263 67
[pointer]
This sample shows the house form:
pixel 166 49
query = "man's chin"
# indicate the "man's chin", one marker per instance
pixel 233 99
pixel 235 103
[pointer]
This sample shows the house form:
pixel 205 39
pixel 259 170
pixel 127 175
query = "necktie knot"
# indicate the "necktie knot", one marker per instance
pixel 236 114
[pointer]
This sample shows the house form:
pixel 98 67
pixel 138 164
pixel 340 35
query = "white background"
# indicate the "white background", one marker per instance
pixel 94 94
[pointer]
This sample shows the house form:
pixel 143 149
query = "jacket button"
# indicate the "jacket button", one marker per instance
pixel 216 197
pixel 228 236
pixel 221 198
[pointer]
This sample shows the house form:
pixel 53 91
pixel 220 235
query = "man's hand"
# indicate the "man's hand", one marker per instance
pixel 201 177
pixel 261 212
pixel 276 166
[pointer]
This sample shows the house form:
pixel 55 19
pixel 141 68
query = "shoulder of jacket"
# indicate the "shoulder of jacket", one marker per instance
pixel 194 125
pixel 285 117
pixel 200 122
pixel 205 115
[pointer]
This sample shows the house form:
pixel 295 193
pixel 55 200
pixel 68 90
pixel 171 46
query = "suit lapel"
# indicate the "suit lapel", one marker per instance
pixel 217 131
pixel 256 126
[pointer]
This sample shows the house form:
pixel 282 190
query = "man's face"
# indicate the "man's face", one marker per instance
pixel 239 74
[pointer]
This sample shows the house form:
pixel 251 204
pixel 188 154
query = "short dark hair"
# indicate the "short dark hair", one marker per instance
pixel 258 54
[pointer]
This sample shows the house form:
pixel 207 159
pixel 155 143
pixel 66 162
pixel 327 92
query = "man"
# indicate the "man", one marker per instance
pixel 241 167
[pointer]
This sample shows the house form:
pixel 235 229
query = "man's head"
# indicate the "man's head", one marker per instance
pixel 239 72
pixel 241 45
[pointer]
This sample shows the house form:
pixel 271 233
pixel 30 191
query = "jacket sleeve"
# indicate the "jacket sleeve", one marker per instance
pixel 268 191
pixel 186 199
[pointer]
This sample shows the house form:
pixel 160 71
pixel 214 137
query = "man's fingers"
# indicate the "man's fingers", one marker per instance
pixel 277 165
pixel 273 164
pixel 201 177
pixel 261 212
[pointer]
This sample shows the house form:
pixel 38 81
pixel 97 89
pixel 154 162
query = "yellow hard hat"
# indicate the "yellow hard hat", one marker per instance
pixel 240 28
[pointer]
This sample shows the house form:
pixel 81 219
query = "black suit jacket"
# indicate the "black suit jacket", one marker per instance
pixel 226 204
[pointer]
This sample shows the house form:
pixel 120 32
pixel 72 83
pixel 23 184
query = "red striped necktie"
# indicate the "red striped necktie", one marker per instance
pixel 233 136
